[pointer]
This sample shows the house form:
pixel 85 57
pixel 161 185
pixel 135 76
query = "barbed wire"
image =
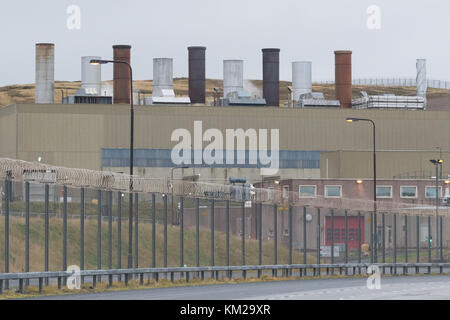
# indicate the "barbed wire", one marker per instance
pixel 34 172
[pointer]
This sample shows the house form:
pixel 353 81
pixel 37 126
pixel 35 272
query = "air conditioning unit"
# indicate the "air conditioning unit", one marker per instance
pixel 286 232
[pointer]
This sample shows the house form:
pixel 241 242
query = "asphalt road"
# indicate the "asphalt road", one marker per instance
pixel 402 288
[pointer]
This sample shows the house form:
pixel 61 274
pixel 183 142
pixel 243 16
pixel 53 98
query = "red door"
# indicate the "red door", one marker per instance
pixel 339 231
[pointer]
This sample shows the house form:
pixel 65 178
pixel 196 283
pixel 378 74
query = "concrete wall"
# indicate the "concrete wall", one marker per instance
pixel 73 135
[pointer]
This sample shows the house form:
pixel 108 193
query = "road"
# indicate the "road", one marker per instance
pixel 403 288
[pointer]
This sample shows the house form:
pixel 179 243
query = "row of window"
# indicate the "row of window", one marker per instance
pixel 335 191
pixel 161 158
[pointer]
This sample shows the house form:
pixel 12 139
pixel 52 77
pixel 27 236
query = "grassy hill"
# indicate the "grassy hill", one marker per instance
pixel 17 246
pixel 25 93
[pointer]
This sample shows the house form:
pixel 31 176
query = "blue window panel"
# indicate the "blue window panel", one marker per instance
pixel 162 158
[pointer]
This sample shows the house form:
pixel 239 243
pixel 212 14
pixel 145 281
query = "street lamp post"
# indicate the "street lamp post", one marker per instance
pixel 374 169
pixel 437 163
pixel 130 218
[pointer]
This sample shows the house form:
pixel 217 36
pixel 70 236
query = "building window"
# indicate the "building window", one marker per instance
pixel 333 191
pixel 285 192
pixel 430 192
pixel 307 191
pixel 408 192
pixel 384 191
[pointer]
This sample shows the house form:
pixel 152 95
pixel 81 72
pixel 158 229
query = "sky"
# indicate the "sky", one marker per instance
pixel 385 43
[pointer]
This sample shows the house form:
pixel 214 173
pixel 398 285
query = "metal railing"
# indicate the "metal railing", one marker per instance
pixel 393 82
pixel 186 273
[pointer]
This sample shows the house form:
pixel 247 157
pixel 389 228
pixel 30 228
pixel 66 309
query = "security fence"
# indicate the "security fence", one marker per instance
pixel 394 82
pixel 54 218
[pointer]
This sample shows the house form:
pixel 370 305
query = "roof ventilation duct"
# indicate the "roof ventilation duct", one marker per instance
pixel 271 76
pixel 197 74
pixel 45 73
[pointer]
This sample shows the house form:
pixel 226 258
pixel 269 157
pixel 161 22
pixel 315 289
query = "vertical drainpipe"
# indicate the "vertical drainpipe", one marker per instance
pixel 197 74
pixel 271 76
pixel 343 78
pixel 122 75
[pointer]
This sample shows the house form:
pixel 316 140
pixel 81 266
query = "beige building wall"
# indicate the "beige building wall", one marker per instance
pixel 73 135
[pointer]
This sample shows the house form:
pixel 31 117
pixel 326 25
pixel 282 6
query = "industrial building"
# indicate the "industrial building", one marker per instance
pixel 92 129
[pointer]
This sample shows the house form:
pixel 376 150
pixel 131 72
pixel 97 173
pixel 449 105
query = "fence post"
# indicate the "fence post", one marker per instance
pixel 227 233
pixel 290 234
pixel 197 232
pixel 136 230
pixel 359 240
pixel 383 238
pixel 429 243
pixel 119 232
pixel 304 236
pixel 243 237
pixel 259 207
pixel 395 242
pixel 440 240
pixel 212 232
pixel 99 232
pixel 332 240
pixel 181 231
pixel 318 239
pixel 372 249
pixel 165 231
pixel 275 238
pixel 417 241
pixel 7 200
pixel 47 233
pixel 110 238
pixel 406 238
pixel 153 231
pixel 346 238
pixel 27 229
pixel 375 236
pixel 65 232
pixel 82 231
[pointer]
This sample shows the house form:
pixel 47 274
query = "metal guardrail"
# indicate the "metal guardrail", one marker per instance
pixel 185 272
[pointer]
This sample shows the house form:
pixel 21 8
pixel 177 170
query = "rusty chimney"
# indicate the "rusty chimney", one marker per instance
pixel 271 76
pixel 45 73
pixel 197 78
pixel 343 77
pixel 122 74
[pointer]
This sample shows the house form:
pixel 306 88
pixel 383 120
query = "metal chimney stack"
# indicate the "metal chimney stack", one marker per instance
pixel 197 74
pixel 91 76
pixel 122 74
pixel 162 76
pixel 45 73
pixel 233 76
pixel 421 79
pixel 343 77
pixel 301 78
pixel 271 76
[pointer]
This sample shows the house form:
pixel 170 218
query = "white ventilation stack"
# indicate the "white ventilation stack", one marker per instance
pixel 421 79
pixel 91 76
pixel 163 92
pixel 162 76
pixel 233 76
pixel 301 78
pixel 45 73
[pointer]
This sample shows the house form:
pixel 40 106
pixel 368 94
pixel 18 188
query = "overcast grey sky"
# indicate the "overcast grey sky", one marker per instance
pixel 230 29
